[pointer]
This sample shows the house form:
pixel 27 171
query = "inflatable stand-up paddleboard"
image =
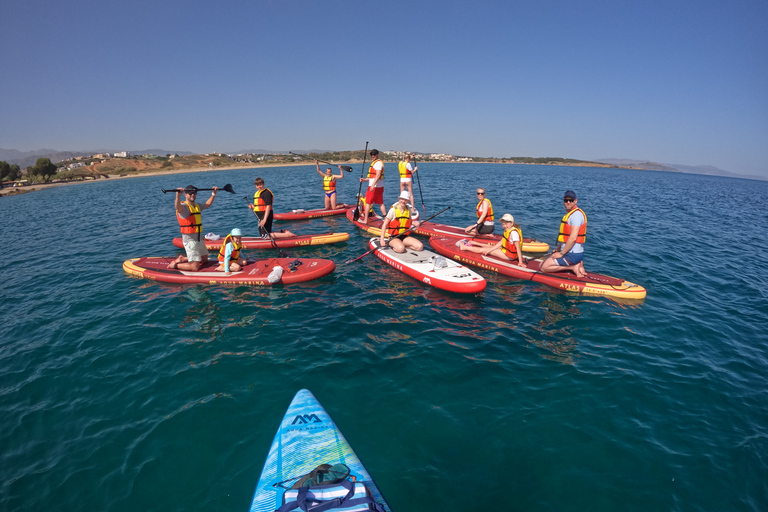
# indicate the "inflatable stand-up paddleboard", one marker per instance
pixel 307 438
pixel 431 269
pixel 252 242
pixel 446 231
pixel 374 223
pixel 312 214
pixel 592 284
pixel 256 272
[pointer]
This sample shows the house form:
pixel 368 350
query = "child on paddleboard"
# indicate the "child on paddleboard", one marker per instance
pixel 229 253
pixel 508 248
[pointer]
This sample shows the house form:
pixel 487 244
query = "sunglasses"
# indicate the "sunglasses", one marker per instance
pixel 480 193
pixel 568 200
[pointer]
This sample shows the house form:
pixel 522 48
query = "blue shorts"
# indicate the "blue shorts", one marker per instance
pixel 572 258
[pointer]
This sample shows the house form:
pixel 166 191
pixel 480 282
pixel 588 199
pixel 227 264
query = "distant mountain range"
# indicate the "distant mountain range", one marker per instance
pixel 27 158
pixel 690 169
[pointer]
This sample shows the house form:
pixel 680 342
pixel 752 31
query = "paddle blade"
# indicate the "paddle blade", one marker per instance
pixel 346 168
pixel 228 188
pixel 356 214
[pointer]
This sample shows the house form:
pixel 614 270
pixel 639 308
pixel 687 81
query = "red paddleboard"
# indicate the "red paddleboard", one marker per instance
pixel 443 230
pixel 312 214
pixel 254 273
pixel 431 269
pixel 593 284
pixel 374 223
pixel 250 242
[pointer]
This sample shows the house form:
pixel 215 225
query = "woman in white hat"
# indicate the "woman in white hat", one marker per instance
pixel 398 220
pixel 508 248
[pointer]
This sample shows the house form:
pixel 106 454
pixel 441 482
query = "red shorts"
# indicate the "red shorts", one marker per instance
pixel 374 195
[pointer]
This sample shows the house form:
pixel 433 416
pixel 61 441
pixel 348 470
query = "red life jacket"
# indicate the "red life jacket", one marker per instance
pixel 565 228
pixel 401 222
pixel 193 223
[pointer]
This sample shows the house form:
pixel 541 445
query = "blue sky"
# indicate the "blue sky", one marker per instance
pixel 682 82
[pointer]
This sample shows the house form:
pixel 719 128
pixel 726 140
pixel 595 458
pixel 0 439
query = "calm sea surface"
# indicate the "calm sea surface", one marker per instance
pixel 122 394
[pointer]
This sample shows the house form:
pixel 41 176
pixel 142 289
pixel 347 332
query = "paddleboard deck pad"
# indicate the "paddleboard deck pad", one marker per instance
pixel 254 273
pixel 374 223
pixel 312 214
pixel 307 438
pixel 431 269
pixel 592 284
pixel 443 230
pixel 251 242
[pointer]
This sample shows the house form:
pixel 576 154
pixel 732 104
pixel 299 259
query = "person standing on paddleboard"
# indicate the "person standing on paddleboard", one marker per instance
pixel 397 221
pixel 190 217
pixel 508 248
pixel 375 193
pixel 573 233
pixel 407 169
pixel 484 224
pixel 329 186
pixel 262 207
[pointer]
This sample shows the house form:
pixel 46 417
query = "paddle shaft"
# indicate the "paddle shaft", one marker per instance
pixel 419 182
pixel 226 188
pixel 406 232
pixel 356 214
pixel 344 167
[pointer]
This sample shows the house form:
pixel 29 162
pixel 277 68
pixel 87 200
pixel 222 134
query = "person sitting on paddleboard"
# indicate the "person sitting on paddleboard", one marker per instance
pixel 396 222
pixel 508 248
pixel 573 233
pixel 329 186
pixel 407 169
pixel 375 193
pixel 190 217
pixel 229 253
pixel 262 207
pixel 484 224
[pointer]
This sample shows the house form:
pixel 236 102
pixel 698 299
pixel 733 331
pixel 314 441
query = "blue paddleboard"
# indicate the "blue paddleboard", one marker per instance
pixel 307 437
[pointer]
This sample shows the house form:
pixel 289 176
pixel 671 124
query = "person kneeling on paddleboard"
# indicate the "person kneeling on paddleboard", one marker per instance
pixel 573 234
pixel 508 248
pixel 397 221
pixel 484 224
pixel 190 217
pixel 229 253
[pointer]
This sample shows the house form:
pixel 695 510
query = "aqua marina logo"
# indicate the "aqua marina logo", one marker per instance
pixel 306 418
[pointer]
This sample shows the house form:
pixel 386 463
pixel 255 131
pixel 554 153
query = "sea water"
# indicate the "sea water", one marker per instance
pixel 124 394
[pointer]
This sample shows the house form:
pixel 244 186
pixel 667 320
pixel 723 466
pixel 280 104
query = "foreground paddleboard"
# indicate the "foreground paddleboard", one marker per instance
pixel 312 214
pixel 593 284
pixel 307 437
pixel 431 269
pixel 374 223
pixel 443 230
pixel 254 273
pixel 250 242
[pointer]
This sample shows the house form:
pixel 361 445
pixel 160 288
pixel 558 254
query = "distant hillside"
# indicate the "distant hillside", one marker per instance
pixel 689 169
pixel 27 158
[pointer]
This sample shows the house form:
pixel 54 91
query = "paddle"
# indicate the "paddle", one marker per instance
pixel 419 182
pixel 356 214
pixel 406 232
pixel 226 188
pixel 347 168
pixel 279 251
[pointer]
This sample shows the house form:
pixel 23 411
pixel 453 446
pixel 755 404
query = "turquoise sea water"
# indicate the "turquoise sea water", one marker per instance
pixel 121 394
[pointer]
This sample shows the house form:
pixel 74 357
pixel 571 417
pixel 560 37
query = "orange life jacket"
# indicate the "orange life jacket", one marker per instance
pixel 193 223
pixel 372 171
pixel 508 247
pixel 235 249
pixel 488 217
pixel 258 203
pixel 565 228
pixel 329 183
pixel 401 222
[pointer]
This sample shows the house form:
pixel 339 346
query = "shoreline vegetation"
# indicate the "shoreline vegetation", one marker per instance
pixel 96 169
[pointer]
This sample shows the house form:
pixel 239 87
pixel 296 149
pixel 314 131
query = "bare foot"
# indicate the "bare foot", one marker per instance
pixel 172 265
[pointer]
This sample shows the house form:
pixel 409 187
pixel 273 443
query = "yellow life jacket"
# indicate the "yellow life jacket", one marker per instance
pixel 401 222
pixel 404 172
pixel 565 228
pixel 329 183
pixel 258 203
pixel 193 223
pixel 508 247
pixel 488 217
pixel 235 249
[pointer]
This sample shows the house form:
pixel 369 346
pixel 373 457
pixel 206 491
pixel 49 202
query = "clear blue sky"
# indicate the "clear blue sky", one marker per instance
pixel 671 81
